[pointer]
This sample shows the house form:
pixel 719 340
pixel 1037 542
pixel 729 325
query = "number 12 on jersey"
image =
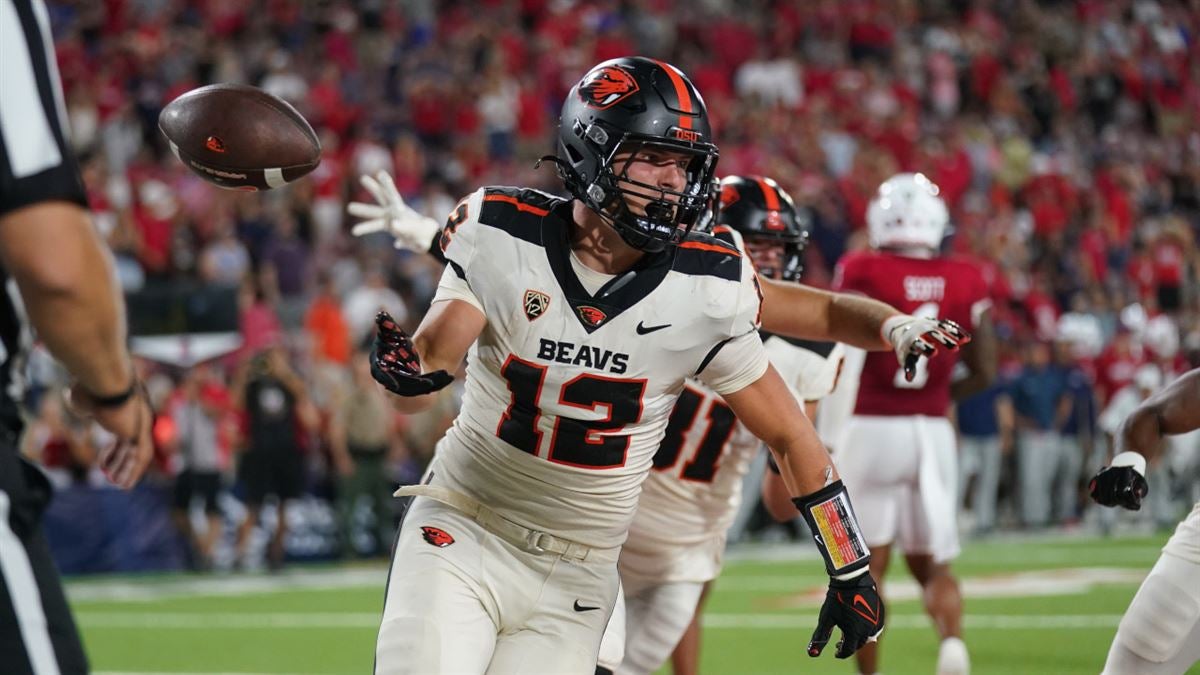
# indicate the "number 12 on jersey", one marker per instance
pixel 588 444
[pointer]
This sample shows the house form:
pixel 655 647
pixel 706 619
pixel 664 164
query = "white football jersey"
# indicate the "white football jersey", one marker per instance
pixel 568 393
pixel 693 493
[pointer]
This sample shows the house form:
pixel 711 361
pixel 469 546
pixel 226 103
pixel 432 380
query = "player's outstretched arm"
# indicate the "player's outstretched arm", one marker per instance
pixel 415 368
pixel 852 602
pixel 800 311
pixel 1174 410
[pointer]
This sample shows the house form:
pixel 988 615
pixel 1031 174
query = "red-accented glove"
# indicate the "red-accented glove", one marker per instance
pixel 913 337
pixel 396 365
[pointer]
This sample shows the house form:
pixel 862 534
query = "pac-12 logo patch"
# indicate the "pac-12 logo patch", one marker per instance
pixel 535 304
pixel 590 315
pixel 437 536
pixel 604 87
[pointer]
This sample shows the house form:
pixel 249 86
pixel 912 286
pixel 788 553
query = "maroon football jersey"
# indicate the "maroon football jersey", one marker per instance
pixel 946 288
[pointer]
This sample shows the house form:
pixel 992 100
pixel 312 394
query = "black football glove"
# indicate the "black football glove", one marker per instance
pixel 854 606
pixel 396 365
pixel 1121 484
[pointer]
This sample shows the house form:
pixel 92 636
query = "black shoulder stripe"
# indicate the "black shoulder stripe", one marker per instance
pixel 724 235
pixel 715 260
pixel 457 269
pixel 518 212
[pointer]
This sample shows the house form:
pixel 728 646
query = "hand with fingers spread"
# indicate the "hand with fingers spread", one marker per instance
pixel 396 365
pixel 130 418
pixel 912 337
pixel 854 606
pixel 412 230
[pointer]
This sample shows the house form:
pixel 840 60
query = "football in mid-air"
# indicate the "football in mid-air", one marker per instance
pixel 240 137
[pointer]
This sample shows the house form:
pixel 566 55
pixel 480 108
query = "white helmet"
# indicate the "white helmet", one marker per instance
pixel 907 213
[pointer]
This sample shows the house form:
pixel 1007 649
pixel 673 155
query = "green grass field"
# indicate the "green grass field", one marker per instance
pixel 1046 605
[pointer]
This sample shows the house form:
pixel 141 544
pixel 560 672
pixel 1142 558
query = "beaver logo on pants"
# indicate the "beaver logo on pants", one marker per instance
pixel 437 536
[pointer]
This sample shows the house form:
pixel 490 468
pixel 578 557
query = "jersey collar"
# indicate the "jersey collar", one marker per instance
pixel 619 294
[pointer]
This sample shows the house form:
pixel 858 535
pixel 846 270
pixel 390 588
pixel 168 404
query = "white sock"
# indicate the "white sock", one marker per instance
pixel 952 658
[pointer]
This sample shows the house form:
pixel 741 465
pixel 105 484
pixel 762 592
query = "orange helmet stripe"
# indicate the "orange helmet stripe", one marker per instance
pixel 681 92
pixel 769 194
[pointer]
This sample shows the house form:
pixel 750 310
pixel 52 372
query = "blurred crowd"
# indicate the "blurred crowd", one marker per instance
pixel 1064 135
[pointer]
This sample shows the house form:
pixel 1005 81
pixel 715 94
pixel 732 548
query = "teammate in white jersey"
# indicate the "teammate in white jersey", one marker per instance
pixel 677 539
pixel 1160 632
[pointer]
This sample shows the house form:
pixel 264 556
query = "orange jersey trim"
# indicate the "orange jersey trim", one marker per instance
pixel 521 206
pixel 701 246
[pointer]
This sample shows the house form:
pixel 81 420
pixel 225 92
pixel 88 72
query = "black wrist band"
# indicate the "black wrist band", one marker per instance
pixel 831 520
pixel 116 400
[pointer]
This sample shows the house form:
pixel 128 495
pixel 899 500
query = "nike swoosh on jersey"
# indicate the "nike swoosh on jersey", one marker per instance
pixel 582 608
pixel 645 330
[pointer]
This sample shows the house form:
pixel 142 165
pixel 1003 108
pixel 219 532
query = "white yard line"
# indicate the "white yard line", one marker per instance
pixel 150 589
pixel 1034 583
pixel 169 673
pixel 363 620
pixel 226 621
pixel 920 621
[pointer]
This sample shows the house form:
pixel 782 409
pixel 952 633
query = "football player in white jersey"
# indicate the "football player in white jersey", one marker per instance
pixel 506 561
pixel 676 541
pixel 1160 632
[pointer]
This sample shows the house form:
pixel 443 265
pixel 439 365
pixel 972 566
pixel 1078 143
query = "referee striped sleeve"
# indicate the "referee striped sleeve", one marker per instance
pixel 29 139
pixel 36 161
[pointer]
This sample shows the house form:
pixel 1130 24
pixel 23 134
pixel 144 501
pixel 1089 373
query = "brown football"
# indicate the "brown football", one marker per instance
pixel 240 137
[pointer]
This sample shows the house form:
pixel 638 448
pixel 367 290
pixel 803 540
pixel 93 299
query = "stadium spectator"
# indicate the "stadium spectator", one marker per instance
pixel 364 302
pixel 1075 435
pixel 1041 407
pixel 277 412
pixel 197 413
pixel 365 441
pixel 985 423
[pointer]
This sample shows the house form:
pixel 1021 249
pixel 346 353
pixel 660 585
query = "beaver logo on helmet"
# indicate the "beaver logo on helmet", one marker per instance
pixel 729 195
pixel 606 86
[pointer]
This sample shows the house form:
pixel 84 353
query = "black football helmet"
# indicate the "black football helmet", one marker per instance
pixel 626 105
pixel 761 211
